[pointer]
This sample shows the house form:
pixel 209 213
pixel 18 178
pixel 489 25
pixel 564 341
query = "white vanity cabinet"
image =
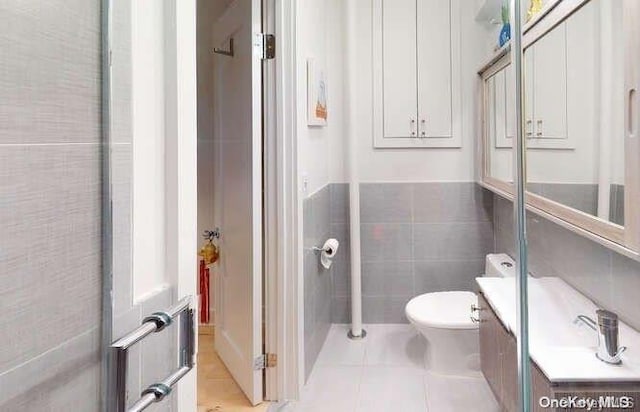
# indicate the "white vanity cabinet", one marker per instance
pixel 416 59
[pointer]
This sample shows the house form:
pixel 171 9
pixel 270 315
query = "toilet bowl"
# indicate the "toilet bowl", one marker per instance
pixel 445 321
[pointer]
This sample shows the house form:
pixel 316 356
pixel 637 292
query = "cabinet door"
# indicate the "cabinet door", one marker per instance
pixel 550 85
pixel 439 72
pixel 500 104
pixel 511 105
pixel 489 353
pixel 434 67
pixel 399 68
pixel 529 76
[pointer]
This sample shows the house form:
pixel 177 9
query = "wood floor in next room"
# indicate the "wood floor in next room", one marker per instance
pixel 217 391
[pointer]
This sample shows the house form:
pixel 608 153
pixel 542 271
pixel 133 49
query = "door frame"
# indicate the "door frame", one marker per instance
pixel 181 165
pixel 283 318
pixel 282 286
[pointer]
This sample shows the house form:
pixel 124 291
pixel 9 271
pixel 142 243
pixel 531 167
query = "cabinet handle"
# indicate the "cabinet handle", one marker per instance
pixel 631 113
pixel 475 319
pixel 529 132
pixel 423 128
pixel 539 128
pixel 475 308
pixel 412 127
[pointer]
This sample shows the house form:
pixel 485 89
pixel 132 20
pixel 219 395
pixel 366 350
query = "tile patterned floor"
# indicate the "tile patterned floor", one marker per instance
pixel 217 391
pixel 385 372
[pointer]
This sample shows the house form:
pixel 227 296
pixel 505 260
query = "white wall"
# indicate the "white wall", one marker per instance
pixel 148 76
pixel 398 165
pixel 208 13
pixel 320 35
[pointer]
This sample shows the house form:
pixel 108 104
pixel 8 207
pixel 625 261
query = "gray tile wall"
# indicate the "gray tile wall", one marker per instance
pixel 326 215
pixel 50 205
pixel 616 204
pixel 579 196
pixel 583 197
pixel 611 280
pixel 416 238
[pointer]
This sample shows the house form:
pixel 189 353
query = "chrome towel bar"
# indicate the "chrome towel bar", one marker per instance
pixel 154 323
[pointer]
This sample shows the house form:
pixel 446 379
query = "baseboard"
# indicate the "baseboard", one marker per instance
pixel 206 329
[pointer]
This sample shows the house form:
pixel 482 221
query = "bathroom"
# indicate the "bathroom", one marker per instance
pixel 435 209
pixel 319 205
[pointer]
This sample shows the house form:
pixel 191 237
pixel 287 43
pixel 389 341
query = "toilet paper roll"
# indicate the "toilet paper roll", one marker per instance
pixel 329 250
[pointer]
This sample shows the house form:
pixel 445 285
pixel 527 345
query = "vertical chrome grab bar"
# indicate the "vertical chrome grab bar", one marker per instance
pixel 154 323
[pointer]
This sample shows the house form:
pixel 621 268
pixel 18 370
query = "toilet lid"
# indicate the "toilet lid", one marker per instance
pixel 448 310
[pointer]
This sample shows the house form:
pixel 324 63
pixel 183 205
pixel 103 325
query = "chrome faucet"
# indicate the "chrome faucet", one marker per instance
pixel 607 330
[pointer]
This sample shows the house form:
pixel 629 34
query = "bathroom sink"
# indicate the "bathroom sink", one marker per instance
pixel 561 346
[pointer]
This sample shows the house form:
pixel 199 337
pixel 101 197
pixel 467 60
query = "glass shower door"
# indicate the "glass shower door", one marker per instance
pixel 578 349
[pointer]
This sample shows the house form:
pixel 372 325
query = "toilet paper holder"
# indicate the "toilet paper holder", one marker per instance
pixel 327 252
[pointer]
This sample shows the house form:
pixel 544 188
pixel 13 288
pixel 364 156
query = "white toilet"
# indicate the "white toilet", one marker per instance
pixel 444 319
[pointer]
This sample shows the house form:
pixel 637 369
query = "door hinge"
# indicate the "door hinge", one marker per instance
pixel 265 45
pixel 269 360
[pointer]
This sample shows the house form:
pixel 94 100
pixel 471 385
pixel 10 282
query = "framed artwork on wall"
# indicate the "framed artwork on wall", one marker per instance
pixel 317 111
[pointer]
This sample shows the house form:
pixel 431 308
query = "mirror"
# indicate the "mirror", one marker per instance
pixel 574 112
pixel 499 122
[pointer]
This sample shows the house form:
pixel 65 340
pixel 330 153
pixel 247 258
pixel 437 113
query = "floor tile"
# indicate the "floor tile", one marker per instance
pixel 455 394
pixel 331 388
pixel 394 345
pixel 385 372
pixel 391 388
pixel 338 350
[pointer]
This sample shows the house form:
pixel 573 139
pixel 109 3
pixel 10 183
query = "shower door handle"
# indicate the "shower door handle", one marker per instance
pixel 154 323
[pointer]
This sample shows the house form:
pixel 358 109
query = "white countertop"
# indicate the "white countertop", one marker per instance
pixel 563 349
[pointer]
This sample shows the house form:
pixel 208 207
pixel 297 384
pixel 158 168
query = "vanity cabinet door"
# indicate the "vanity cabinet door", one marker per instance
pixel 498 357
pixel 399 73
pixel 489 353
pixel 509 369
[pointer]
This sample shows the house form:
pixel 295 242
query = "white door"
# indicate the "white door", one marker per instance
pixel 152 170
pixel 238 194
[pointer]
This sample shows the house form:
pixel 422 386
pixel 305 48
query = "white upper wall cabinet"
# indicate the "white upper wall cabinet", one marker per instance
pixel 546 97
pixel 399 62
pixel 557 67
pixel 417 73
pixel 550 85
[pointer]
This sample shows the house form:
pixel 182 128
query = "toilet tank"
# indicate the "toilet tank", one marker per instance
pixel 499 265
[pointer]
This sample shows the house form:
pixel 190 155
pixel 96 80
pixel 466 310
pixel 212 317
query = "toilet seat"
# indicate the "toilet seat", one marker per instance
pixel 445 310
